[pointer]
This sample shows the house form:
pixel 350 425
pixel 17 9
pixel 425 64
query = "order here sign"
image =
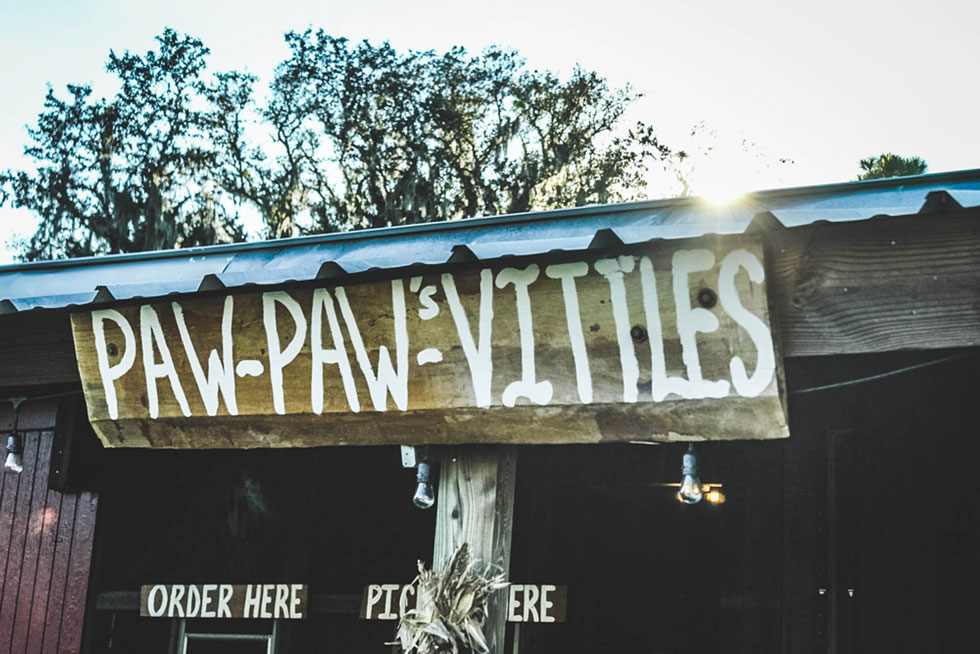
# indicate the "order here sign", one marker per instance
pixel 671 342
pixel 280 601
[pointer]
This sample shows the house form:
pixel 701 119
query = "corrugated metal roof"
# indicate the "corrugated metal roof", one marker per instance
pixel 65 283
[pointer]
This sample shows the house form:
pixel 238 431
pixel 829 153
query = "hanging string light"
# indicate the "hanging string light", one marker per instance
pixel 15 443
pixel 412 457
pixel 425 496
pixel 691 491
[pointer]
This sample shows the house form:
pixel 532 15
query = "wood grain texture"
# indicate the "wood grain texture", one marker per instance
pixel 45 569
pixel 609 347
pixel 38 520
pixel 20 532
pixel 60 577
pixel 879 285
pixel 37 349
pixel 475 505
pixel 46 557
pixel 73 615
pixel 45 547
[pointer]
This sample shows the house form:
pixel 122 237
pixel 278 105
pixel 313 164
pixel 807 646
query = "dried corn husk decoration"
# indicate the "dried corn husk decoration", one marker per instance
pixel 451 608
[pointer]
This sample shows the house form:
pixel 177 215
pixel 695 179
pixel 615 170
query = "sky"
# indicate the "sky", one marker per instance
pixel 823 84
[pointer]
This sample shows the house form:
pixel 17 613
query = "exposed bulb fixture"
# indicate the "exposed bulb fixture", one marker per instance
pixel 424 497
pixel 691 491
pixel 15 443
pixel 15 455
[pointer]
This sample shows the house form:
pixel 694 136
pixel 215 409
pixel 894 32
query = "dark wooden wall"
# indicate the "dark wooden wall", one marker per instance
pixel 45 544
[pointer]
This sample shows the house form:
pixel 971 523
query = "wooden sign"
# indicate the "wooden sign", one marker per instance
pixel 387 601
pixel 672 343
pixel 278 601
pixel 536 603
pixel 525 602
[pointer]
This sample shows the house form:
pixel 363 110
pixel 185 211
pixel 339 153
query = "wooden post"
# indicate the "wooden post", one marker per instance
pixel 475 505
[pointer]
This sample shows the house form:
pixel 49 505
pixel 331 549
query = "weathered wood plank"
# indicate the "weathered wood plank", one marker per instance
pixel 36 348
pixel 879 285
pixel 60 579
pixel 475 505
pixel 42 583
pixel 9 483
pixel 76 592
pixel 37 520
pixel 19 537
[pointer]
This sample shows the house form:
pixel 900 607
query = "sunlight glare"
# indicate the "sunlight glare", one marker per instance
pixel 722 185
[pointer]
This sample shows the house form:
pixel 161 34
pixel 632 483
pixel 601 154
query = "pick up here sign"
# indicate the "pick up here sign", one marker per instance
pixel 525 602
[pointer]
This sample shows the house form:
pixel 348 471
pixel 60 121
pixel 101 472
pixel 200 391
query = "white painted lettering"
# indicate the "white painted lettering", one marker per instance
pixel 294 601
pixel 429 308
pixel 765 367
pixel 478 358
pixel 530 603
pixel 278 358
pixel 661 384
pixel 221 368
pixel 193 601
pixel 393 379
pixel 249 368
pixel 323 302
pixel 513 604
pixel 253 595
pixel 690 321
pixel 374 596
pixel 528 386
pixel 176 608
pixel 151 332
pixel 613 270
pixel 547 603
pixel 156 607
pixel 282 594
pixel 267 590
pixel 108 373
pixel 225 592
pixel 206 599
pixel 388 589
pixel 428 355
pixel 567 272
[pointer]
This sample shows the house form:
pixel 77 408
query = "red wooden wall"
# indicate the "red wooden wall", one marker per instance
pixel 45 544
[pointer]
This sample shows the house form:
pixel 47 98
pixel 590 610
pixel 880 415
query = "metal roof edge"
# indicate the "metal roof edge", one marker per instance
pixel 495 220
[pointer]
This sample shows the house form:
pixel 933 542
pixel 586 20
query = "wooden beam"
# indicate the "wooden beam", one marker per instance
pixel 36 349
pixel 475 505
pixel 879 285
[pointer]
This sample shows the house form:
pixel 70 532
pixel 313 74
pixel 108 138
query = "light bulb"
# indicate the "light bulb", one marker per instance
pixel 424 496
pixel 14 463
pixel 15 456
pixel 691 491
